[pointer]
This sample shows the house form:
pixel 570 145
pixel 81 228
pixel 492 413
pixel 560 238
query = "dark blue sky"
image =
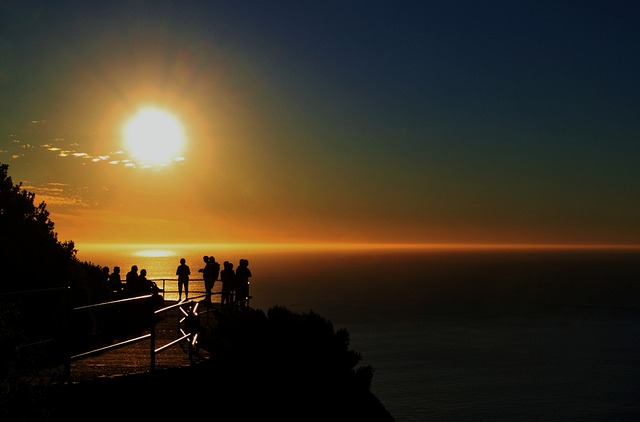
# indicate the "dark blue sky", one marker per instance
pixel 425 121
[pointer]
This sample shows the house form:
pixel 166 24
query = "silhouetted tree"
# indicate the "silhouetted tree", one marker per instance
pixel 33 261
pixel 31 257
pixel 291 366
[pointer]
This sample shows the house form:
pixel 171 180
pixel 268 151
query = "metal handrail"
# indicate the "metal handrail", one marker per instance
pixel 151 335
pixel 115 345
pixel 153 351
pixel 110 347
pixel 111 303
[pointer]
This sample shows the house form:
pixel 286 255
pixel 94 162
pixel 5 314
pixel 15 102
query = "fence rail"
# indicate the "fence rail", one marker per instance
pixel 58 312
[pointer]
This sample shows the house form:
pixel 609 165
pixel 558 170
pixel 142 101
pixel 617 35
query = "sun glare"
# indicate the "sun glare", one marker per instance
pixel 154 136
pixel 155 253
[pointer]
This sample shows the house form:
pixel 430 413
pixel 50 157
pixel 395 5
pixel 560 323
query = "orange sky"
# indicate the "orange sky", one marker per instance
pixel 299 129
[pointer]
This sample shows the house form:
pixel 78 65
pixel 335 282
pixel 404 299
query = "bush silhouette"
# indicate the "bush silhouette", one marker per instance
pixel 30 253
pixel 291 365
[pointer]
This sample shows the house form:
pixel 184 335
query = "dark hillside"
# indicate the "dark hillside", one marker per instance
pixel 281 366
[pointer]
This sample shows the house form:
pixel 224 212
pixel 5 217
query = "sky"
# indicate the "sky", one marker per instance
pixel 404 122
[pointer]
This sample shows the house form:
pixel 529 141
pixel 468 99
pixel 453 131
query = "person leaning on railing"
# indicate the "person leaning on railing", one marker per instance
pixel 147 286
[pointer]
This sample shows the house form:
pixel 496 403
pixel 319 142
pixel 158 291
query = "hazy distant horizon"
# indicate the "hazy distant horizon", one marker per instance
pixel 381 273
pixel 160 247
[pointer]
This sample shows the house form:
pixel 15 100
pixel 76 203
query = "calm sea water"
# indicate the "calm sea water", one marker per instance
pixel 468 335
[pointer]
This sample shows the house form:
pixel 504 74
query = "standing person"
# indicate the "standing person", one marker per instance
pixel 206 276
pixel 115 281
pixel 228 277
pixel 105 275
pixel 101 291
pixel 242 278
pixel 215 270
pixel 210 274
pixel 131 280
pixel 104 283
pixel 183 272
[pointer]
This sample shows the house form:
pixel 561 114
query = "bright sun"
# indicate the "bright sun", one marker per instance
pixel 154 136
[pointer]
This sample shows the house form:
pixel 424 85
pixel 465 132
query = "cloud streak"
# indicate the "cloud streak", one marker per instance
pixel 60 148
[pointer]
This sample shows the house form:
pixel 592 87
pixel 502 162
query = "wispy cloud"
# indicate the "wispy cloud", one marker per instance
pixel 58 194
pixel 60 148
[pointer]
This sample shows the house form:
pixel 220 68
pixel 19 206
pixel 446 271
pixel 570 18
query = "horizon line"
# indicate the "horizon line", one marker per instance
pixel 363 246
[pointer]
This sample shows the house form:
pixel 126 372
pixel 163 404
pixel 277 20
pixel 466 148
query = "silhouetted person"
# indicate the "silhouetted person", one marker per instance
pixel 131 280
pixel 115 281
pixel 215 272
pixel 147 286
pixel 210 274
pixel 105 275
pixel 228 278
pixel 139 286
pixel 183 272
pixel 242 277
pixel 143 283
pixel 102 292
pixel 206 271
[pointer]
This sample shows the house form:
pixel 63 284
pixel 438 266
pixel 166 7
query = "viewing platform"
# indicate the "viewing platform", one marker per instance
pixel 123 336
pixel 135 358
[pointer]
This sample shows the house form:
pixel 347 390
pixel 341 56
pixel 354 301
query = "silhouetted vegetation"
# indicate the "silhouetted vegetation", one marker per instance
pixel 30 253
pixel 42 278
pixel 32 259
pixel 282 342
pixel 295 365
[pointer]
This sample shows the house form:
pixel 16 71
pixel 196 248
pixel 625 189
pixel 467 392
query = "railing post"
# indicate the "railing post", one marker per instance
pixel 152 337
pixel 189 326
pixel 67 334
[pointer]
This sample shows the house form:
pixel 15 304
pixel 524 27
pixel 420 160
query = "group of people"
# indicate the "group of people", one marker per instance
pixel 112 287
pixel 235 282
pixel 135 284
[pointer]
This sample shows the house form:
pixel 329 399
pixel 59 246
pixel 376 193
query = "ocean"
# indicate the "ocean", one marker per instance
pixel 459 335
